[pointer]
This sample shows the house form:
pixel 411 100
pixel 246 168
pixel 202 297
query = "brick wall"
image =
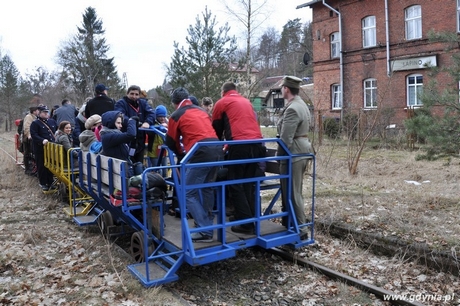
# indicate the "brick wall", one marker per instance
pixel 360 64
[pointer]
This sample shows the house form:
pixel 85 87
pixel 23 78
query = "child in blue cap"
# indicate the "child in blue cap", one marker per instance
pixel 156 141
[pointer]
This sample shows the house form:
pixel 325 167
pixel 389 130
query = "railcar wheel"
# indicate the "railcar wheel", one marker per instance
pixel 105 221
pixel 137 246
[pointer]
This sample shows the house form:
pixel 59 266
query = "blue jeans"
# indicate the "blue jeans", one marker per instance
pixel 200 201
pixel 154 163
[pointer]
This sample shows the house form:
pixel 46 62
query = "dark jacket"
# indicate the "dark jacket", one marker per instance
pixel 115 142
pixel 78 129
pixel 141 109
pixel 66 112
pixel 42 129
pixel 99 105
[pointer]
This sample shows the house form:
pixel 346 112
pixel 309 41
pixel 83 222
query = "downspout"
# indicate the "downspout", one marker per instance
pixel 387 37
pixel 340 54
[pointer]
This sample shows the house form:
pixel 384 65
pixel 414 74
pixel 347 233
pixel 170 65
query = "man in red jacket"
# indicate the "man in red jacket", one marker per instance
pixel 193 124
pixel 234 118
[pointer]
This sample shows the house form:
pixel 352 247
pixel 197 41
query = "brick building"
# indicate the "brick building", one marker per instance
pixel 371 55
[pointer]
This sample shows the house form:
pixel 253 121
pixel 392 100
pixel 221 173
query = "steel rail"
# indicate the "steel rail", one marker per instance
pixel 335 275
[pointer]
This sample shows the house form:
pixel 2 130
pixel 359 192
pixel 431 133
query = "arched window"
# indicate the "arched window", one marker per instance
pixel 369 32
pixel 413 18
pixel 335 44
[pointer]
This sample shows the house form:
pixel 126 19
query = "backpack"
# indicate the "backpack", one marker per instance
pixel 20 125
pixel 96 147
pixel 20 135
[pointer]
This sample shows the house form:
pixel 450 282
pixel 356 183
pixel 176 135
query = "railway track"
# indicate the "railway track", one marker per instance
pixel 289 257
pixel 379 292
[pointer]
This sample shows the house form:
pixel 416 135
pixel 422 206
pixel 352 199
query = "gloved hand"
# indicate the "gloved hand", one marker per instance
pixel 162 128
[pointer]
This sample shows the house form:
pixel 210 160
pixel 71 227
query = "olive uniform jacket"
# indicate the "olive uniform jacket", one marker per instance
pixel 293 127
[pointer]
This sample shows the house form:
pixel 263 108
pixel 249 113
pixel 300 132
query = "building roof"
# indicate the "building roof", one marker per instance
pixel 235 67
pixel 305 92
pixel 307 4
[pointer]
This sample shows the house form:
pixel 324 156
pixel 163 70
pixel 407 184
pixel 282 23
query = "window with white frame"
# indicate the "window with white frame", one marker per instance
pixel 335 45
pixel 414 89
pixel 458 15
pixel 370 93
pixel 413 18
pixel 336 96
pixel 369 32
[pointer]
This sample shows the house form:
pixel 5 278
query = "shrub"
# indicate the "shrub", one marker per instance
pixel 331 127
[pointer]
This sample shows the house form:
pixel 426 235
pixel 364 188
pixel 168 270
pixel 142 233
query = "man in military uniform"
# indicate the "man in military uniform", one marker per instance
pixel 293 127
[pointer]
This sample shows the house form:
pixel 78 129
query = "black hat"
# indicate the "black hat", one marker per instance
pixel 100 88
pixel 179 94
pixel 43 109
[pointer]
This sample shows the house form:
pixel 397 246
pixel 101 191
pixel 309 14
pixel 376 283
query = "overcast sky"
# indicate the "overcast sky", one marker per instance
pixel 140 34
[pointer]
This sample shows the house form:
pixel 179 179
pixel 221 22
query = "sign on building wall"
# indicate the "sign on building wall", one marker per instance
pixel 414 63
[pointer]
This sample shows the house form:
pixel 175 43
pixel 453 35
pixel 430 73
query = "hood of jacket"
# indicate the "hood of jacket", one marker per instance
pixel 109 118
pixel 86 138
pixel 59 133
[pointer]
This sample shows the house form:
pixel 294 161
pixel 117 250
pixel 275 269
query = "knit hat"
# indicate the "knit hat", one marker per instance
pixel 292 82
pixel 160 111
pixel 92 121
pixel 194 100
pixel 179 94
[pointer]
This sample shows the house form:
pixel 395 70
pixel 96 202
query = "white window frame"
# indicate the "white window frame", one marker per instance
pixel 335 44
pixel 369 32
pixel 370 93
pixel 458 15
pixel 336 96
pixel 414 90
pixel 413 20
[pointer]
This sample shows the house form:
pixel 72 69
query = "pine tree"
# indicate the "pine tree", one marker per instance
pixel 9 84
pixel 437 122
pixel 291 47
pixel 204 66
pixel 84 59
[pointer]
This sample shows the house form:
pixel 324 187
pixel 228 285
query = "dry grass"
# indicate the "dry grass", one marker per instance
pixel 393 194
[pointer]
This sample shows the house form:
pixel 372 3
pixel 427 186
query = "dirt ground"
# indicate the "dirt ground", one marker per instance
pixel 393 194
pixel 47 260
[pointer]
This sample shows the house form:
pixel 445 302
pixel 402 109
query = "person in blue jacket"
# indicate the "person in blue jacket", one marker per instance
pixel 132 105
pixel 115 143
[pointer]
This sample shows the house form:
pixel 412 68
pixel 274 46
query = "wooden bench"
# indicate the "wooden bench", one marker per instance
pixel 103 174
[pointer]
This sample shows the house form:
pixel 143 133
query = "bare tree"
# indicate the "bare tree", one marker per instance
pixel 251 14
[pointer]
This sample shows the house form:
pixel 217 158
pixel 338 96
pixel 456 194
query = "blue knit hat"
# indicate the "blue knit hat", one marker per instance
pixel 194 100
pixel 160 111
